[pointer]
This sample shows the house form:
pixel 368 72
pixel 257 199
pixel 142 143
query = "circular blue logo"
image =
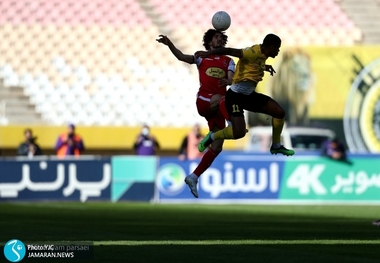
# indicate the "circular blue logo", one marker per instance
pixel 170 179
pixel 14 250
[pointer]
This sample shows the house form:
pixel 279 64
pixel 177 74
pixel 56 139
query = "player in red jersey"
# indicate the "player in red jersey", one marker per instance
pixel 215 73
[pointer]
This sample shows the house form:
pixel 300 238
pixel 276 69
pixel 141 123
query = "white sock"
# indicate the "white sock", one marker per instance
pixel 229 123
pixel 193 176
pixel 276 145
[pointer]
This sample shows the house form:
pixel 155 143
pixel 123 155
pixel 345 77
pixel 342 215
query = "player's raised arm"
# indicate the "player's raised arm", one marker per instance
pixel 176 52
pixel 235 52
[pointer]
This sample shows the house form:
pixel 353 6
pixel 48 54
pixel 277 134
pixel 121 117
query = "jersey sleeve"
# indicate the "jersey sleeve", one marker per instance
pixel 231 65
pixel 249 53
pixel 198 61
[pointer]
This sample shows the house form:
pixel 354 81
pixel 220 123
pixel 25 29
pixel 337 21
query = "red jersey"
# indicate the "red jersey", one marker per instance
pixel 211 69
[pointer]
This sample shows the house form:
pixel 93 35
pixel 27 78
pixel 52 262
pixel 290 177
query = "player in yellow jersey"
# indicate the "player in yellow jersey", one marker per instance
pixel 242 95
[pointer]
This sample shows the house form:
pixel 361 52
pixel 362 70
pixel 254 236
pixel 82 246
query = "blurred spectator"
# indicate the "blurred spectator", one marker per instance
pixel 189 147
pixel 69 143
pixel 293 86
pixel 145 143
pixel 335 150
pixel 29 147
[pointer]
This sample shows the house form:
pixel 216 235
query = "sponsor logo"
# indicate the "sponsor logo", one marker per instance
pixel 362 113
pixel 216 72
pixel 240 180
pixel 170 179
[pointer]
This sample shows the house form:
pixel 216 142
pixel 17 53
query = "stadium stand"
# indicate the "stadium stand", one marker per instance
pixel 366 16
pixel 97 63
pixel 294 18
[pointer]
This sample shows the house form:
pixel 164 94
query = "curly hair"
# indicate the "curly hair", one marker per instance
pixel 207 37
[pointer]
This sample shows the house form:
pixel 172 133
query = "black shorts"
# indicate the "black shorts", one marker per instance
pixel 236 103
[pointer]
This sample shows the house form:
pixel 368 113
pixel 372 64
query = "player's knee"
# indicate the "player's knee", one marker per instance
pixel 217 148
pixel 240 133
pixel 215 101
pixel 280 113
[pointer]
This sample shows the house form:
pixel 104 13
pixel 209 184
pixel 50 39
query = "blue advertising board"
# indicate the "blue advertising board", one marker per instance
pixel 133 178
pixel 59 179
pixel 231 177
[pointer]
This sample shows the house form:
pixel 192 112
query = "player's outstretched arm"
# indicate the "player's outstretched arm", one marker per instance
pixel 176 52
pixel 221 51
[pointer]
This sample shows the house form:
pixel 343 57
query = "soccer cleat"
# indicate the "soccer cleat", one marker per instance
pixel 206 141
pixel 281 150
pixel 376 223
pixel 192 183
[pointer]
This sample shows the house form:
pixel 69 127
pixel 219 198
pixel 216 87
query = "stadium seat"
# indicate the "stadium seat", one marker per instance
pixel 103 55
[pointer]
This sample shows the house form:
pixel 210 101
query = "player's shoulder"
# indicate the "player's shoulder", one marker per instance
pixel 254 49
pixel 251 51
pixel 226 57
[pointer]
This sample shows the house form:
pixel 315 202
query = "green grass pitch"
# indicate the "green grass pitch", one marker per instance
pixel 141 232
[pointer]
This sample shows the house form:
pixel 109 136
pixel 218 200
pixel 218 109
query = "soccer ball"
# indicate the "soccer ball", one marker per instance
pixel 221 20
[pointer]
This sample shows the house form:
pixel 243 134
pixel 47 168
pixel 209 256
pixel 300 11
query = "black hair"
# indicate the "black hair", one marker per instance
pixel 207 37
pixel 272 40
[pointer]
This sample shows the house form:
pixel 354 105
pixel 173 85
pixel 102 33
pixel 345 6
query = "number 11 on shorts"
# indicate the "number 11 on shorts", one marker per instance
pixel 235 108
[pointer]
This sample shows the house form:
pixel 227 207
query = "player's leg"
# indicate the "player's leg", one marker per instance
pixel 209 157
pixel 214 101
pixel 234 105
pixel 217 102
pixel 277 113
pixel 215 121
pixel 215 124
pixel 206 161
pixel 223 109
